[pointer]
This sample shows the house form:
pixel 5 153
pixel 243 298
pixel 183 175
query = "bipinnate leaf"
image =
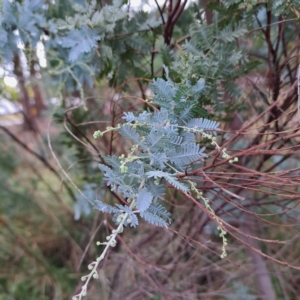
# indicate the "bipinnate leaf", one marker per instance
pixel 133 220
pixel 105 207
pixel 157 215
pixel 170 178
pixel 130 133
pixel 143 200
pixel 80 41
pixel 204 124
pixel 186 154
pixel 153 219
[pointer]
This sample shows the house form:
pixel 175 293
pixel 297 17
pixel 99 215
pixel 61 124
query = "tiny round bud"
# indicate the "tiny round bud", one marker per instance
pixel 83 278
pixel 90 267
pixel 97 134
pixel 231 161
pixel 236 159
pixel 98 243
pixel 95 276
pixel 108 237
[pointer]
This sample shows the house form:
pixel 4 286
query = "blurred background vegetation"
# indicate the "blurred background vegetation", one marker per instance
pixel 48 230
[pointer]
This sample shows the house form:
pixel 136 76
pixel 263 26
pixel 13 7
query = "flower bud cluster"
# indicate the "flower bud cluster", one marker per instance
pixel 124 161
pixel 157 181
pixel 199 195
pixel 224 239
pixel 213 142
pixel 99 133
pixel 194 189
pixel 226 156
pixel 110 242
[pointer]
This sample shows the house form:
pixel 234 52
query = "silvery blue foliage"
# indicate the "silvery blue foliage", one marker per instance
pixel 80 41
pixel 170 178
pixel 164 146
pixel 117 211
pixel 143 200
pixel 89 40
pixel 81 206
pixel 105 38
pixel 207 125
pixel 20 23
pixel 211 54
pixel 157 215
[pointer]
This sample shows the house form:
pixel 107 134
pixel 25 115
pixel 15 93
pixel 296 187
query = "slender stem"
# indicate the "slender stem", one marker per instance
pixel 96 263
pixel 111 243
